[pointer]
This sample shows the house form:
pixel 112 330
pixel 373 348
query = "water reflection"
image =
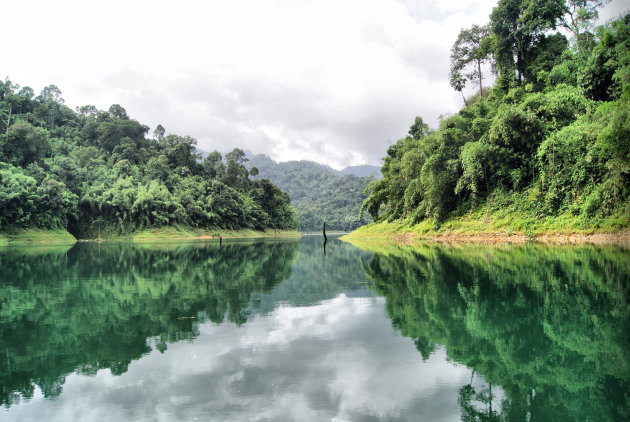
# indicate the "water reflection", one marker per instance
pixel 295 336
pixel 93 306
pixel 280 331
pixel 550 325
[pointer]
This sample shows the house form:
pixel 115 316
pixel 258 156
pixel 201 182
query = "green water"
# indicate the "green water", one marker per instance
pixel 290 331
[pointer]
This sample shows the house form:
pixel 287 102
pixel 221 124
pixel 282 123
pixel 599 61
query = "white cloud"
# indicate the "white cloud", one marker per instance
pixel 335 80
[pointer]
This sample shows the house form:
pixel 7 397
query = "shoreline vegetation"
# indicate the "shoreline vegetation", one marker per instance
pixel 164 234
pixel 543 155
pixel 88 173
pixel 398 234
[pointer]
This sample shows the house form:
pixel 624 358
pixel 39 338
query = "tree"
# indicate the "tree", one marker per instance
pixel 159 132
pixel 181 152
pixel 470 51
pixel 24 144
pixel 458 82
pixel 6 87
pixel 578 17
pixel 118 112
pixel 87 110
pixel 51 93
pixel 518 26
pixel 419 129
pixel 111 133
pixel 64 168
pixel 213 165
pixel 236 173
pixel 237 155
pixel 17 197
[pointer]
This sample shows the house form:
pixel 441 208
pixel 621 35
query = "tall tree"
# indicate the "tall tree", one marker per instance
pixel 468 54
pixel 118 112
pixel 518 26
pixel 578 17
pixel 51 93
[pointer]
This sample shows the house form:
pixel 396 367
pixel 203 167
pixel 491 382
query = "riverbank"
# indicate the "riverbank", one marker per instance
pixel 164 234
pixel 462 231
pixel 172 233
pixel 36 236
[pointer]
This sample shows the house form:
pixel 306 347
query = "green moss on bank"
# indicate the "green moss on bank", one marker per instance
pixel 36 236
pixel 499 224
pixel 174 233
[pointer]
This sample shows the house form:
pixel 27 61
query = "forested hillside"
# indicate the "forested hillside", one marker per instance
pixel 318 193
pixel 546 148
pixel 91 170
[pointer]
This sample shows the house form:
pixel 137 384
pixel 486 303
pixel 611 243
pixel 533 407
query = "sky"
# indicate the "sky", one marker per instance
pixel 332 81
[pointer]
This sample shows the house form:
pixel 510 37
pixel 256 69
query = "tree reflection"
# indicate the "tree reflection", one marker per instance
pixel 550 325
pixel 94 306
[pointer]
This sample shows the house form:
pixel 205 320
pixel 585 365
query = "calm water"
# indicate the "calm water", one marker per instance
pixel 276 331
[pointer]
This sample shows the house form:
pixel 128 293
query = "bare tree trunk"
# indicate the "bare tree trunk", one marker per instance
pixel 464 98
pixel 8 119
pixel 480 78
pixel 325 238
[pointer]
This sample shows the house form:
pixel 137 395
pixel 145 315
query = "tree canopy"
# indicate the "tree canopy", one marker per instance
pixel 89 170
pixel 550 139
pixel 318 193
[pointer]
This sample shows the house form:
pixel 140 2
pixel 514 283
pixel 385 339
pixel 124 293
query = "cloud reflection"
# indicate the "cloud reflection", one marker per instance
pixel 338 360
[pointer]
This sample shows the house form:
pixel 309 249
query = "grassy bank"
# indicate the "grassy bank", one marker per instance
pixel 36 237
pixel 499 227
pixel 173 233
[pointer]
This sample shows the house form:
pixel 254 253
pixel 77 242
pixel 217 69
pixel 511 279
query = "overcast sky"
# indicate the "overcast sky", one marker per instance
pixel 332 81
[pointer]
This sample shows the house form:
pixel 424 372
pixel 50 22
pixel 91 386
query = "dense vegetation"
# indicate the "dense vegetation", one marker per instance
pixel 90 170
pixel 549 325
pixel 550 140
pixel 318 193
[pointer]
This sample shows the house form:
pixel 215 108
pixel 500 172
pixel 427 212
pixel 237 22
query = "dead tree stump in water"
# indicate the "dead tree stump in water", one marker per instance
pixel 324 231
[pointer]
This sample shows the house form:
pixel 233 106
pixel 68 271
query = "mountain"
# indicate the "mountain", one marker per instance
pixel 365 170
pixel 318 192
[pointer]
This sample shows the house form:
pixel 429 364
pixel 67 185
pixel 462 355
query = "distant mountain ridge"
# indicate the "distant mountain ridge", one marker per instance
pixel 318 192
pixel 365 170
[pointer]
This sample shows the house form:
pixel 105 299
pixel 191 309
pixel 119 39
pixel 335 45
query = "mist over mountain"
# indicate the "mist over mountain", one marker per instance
pixel 365 170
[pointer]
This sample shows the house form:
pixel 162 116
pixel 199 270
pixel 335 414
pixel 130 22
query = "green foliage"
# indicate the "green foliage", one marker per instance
pixel 548 324
pixel 602 74
pixel 470 51
pixel 318 193
pixel 562 140
pixel 23 144
pixel 519 27
pixel 138 298
pixel 27 202
pixel 89 169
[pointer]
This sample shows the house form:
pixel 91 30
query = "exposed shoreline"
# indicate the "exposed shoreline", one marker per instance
pixel 409 237
pixel 495 238
pixel 167 234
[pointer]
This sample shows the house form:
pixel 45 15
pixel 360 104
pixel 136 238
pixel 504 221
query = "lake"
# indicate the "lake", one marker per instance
pixel 293 331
